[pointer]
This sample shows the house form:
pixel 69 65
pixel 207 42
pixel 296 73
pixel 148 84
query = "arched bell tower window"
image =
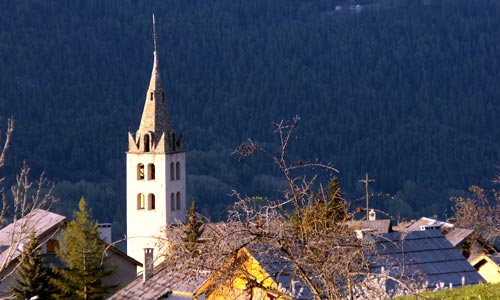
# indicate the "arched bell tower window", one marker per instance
pixel 151 172
pixel 151 96
pixel 140 171
pixel 172 202
pixel 140 201
pixel 178 198
pixel 151 201
pixel 146 143
pixel 163 96
pixel 178 171
pixel 172 171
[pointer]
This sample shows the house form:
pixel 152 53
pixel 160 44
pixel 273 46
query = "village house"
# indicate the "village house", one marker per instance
pixel 258 272
pixel 488 266
pixel 47 227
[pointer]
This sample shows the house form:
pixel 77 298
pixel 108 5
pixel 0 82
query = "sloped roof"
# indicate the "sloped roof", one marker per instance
pixel 458 235
pixel 280 269
pixel 380 226
pixel 425 255
pixel 17 233
pixel 165 283
pixel 495 258
pixel 424 221
pixel 44 224
pixel 175 279
pixel 39 220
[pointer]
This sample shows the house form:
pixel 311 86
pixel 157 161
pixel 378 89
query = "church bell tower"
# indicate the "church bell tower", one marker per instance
pixel 156 172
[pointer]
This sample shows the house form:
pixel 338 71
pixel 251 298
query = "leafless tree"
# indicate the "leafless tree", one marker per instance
pixel 305 232
pixel 26 197
pixel 480 212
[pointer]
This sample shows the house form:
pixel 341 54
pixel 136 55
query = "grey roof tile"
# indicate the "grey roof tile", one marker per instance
pixel 424 221
pixel 458 235
pixel 422 253
pixel 165 283
pixel 380 226
pixel 18 233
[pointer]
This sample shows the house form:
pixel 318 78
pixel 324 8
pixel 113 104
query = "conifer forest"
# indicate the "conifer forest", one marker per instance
pixel 406 90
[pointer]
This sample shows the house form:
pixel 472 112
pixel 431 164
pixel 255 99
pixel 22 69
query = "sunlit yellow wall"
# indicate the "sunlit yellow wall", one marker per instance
pixel 489 271
pixel 236 287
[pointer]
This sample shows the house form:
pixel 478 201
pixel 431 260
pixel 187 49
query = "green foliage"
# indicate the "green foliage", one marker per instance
pixel 322 211
pixel 32 278
pixel 472 292
pixel 335 202
pixel 84 254
pixel 194 229
pixel 104 206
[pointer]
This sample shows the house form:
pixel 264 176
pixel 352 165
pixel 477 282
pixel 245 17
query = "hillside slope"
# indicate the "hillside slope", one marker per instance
pixel 406 90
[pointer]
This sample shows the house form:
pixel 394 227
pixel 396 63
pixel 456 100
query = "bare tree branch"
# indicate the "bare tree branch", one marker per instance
pixel 27 196
pixel 305 229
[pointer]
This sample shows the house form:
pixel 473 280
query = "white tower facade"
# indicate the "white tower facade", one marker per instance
pixel 156 173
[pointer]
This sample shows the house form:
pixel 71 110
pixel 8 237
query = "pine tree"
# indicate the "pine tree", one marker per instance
pixel 336 206
pixel 83 252
pixel 194 229
pixel 321 212
pixel 32 278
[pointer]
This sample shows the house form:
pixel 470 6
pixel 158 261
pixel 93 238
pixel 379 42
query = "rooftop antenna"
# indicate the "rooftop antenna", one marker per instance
pixel 154 32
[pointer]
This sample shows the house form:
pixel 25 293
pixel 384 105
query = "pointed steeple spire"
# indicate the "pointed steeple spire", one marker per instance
pixel 155 131
pixel 155 82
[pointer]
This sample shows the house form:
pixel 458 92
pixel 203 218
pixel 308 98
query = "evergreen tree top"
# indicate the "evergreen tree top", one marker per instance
pixel 84 254
pixel 33 279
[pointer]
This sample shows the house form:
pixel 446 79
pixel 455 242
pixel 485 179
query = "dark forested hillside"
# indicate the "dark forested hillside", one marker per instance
pixel 406 90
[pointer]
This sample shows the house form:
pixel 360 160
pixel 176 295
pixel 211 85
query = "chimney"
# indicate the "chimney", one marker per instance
pixel 148 264
pixel 105 232
pixel 371 215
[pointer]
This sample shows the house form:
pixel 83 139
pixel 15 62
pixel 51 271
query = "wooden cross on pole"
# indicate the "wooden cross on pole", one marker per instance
pixel 366 181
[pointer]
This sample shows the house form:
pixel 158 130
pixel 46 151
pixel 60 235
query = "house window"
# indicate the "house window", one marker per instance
pixel 178 171
pixel 140 201
pixel 151 172
pixel 178 198
pixel 52 246
pixel 140 171
pixel 172 202
pixel 172 172
pixel 151 201
pixel 146 143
